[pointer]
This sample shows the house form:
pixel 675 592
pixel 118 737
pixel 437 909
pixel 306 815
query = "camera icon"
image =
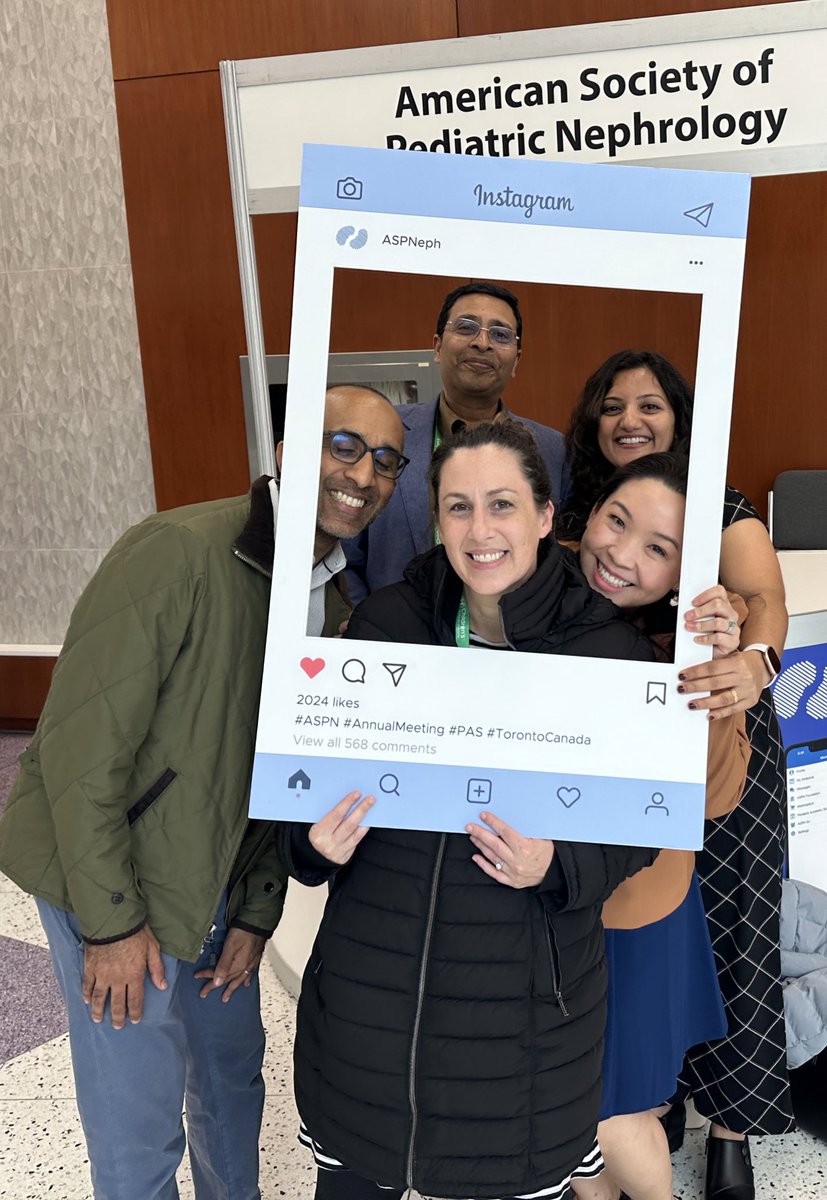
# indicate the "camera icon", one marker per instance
pixel 349 188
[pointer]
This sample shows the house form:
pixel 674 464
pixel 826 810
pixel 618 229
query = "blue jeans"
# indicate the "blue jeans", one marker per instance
pixel 131 1083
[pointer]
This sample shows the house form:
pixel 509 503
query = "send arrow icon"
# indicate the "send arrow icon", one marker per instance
pixel 701 214
pixel 396 671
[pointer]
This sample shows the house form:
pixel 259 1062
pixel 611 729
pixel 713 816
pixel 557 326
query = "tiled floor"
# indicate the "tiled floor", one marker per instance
pixel 42 1152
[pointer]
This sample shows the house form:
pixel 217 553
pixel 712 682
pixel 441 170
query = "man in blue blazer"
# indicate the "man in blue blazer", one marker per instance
pixel 478 344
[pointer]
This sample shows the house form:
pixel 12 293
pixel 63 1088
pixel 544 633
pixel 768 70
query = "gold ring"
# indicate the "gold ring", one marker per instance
pixel 734 696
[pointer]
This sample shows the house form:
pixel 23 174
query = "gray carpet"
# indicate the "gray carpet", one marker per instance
pixel 12 746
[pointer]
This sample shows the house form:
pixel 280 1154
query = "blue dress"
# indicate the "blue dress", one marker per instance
pixel 664 998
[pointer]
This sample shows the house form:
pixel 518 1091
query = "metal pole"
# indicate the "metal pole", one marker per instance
pixel 260 444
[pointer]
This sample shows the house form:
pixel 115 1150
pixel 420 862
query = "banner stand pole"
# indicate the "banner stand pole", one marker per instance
pixel 260 442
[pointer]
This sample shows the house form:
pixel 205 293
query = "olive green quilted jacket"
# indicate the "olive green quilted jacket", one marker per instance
pixel 131 802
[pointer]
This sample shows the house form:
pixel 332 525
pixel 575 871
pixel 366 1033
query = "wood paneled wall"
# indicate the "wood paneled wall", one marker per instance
pixel 176 37
pixel 165 55
pixel 491 16
pixel 567 331
pixel 24 682
pixel 187 290
pixel 779 415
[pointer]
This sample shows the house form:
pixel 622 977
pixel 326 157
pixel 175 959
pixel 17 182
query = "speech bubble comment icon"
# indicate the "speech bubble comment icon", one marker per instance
pixel 568 796
pixel 354 670
pixel 655 692
pixel 312 666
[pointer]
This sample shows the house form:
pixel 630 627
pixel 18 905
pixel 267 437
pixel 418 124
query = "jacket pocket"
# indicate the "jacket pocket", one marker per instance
pixel 312 984
pixel 554 963
pixel 149 797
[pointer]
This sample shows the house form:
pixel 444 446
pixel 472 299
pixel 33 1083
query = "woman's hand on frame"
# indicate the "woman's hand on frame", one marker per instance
pixel 507 856
pixel 340 831
pixel 734 683
pixel 734 680
pixel 715 621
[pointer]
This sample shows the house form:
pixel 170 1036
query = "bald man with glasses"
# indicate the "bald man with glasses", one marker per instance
pixel 478 345
pixel 128 820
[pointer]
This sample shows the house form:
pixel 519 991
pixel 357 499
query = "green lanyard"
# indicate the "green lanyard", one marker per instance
pixel 437 444
pixel 462 628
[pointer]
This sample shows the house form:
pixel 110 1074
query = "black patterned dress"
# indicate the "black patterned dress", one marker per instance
pixel 741 1081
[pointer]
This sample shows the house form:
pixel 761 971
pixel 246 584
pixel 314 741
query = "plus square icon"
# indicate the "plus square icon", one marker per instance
pixel 478 791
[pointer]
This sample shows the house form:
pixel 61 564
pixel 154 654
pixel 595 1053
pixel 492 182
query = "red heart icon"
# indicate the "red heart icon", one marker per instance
pixel 312 666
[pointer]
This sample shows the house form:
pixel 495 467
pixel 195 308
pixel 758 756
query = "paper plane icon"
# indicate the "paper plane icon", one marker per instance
pixel 396 671
pixel 701 214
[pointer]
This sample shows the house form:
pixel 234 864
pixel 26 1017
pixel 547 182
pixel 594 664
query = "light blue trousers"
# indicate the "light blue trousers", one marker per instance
pixel 131 1083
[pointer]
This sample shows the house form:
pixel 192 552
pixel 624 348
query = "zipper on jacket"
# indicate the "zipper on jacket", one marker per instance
pixel 251 562
pixel 225 889
pixel 554 960
pixel 209 940
pixel 420 995
pixel 506 638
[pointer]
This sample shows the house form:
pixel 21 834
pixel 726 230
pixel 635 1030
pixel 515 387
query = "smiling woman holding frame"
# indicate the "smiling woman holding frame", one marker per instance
pixel 451 1018
pixel 635 404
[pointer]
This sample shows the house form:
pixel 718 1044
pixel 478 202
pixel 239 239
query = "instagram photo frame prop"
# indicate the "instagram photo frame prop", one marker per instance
pixel 585 749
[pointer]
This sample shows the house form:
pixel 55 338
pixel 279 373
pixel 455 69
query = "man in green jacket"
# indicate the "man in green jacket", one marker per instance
pixel 128 821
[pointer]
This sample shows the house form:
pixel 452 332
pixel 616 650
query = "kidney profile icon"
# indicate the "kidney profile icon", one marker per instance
pixel 354 238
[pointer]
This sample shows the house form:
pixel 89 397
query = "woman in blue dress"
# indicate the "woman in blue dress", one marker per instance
pixel 636 404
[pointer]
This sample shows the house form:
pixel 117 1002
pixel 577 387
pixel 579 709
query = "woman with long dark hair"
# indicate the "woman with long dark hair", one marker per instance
pixel 596 446
pixel 664 996
pixel 635 404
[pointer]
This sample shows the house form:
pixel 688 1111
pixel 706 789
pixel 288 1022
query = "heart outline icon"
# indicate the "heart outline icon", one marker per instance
pixel 564 792
pixel 312 666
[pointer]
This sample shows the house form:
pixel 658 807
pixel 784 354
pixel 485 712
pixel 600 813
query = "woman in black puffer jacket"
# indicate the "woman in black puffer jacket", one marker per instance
pixel 451 1018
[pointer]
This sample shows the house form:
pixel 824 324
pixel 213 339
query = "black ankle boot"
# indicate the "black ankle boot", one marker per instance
pixel 674 1125
pixel 729 1170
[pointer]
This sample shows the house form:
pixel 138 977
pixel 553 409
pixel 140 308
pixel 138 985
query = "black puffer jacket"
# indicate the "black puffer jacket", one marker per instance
pixel 450 1028
pixel 554 612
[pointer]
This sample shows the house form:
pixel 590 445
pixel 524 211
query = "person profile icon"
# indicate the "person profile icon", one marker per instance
pixel 657 805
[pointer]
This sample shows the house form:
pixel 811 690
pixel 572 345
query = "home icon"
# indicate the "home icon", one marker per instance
pixel 299 780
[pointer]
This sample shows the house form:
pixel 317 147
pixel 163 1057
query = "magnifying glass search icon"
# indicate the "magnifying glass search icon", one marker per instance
pixel 388 784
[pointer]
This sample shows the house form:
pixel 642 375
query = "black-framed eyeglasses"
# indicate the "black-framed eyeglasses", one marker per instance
pixel 349 448
pixel 498 335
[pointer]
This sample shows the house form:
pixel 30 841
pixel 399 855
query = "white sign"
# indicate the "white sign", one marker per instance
pixel 735 90
pixel 583 749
